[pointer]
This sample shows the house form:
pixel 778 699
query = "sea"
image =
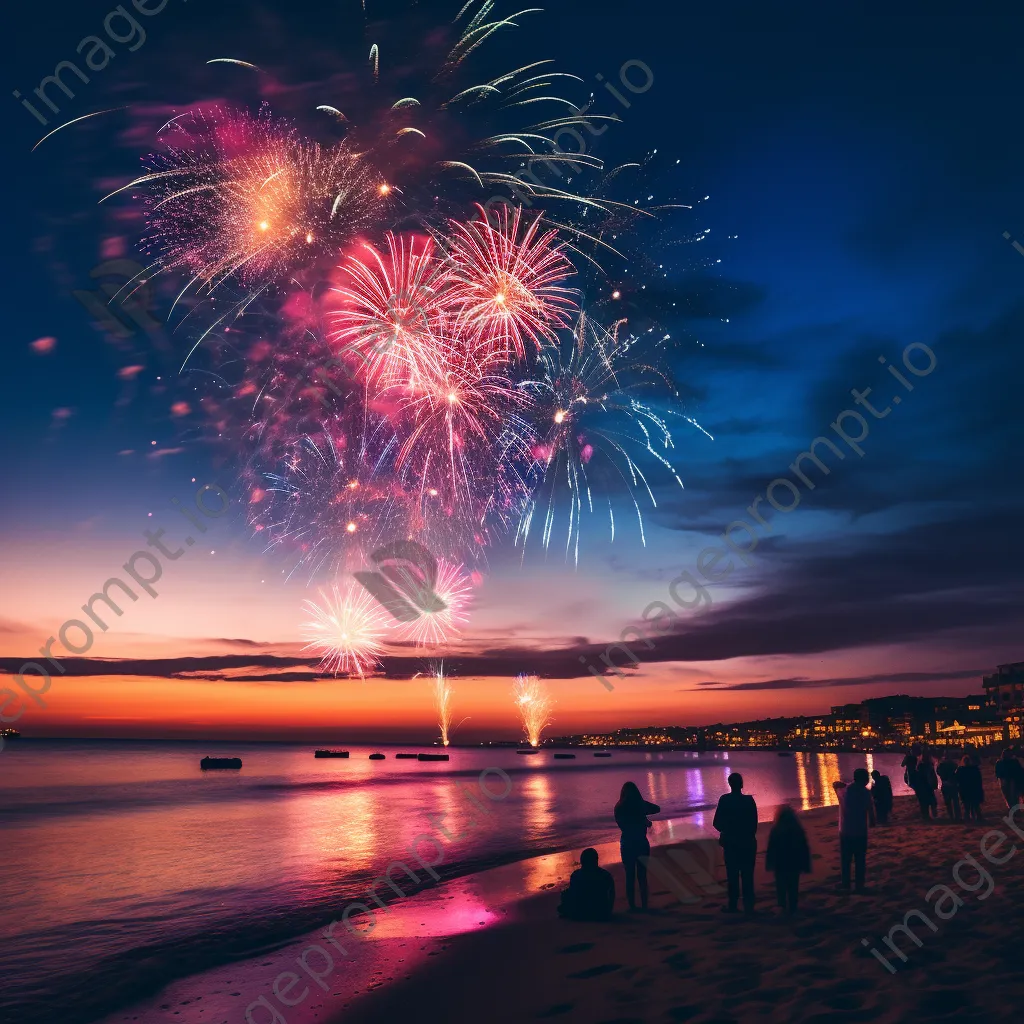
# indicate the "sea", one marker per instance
pixel 125 866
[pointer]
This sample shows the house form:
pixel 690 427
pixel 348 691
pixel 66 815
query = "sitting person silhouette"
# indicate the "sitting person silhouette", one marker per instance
pixel 591 892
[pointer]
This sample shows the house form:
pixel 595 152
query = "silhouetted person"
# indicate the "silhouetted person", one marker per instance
pixel 909 764
pixel 591 892
pixel 946 772
pixel 788 856
pixel 1008 772
pixel 856 812
pixel 881 793
pixel 972 790
pixel 736 822
pixel 631 816
pixel 1020 774
pixel 924 785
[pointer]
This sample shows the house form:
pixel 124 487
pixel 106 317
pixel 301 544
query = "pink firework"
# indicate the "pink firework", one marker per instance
pixel 388 307
pixel 345 630
pixel 506 284
pixel 464 423
pixel 434 629
pixel 236 195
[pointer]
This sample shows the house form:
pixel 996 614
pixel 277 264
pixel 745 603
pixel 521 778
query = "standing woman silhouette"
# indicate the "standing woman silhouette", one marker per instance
pixel 631 816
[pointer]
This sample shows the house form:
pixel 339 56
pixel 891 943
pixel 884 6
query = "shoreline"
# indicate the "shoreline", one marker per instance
pixel 489 914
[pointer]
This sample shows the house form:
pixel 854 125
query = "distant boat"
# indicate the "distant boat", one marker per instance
pixel 431 757
pixel 330 753
pixel 407 757
pixel 532 750
pixel 602 753
pixel 784 753
pixel 208 763
pixel 377 757
pixel 565 757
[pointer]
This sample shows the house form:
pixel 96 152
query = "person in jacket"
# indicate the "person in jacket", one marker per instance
pixel 736 822
pixel 631 816
pixel 946 772
pixel 924 786
pixel 972 789
pixel 1008 772
pixel 788 857
pixel 909 765
pixel 881 793
pixel 856 813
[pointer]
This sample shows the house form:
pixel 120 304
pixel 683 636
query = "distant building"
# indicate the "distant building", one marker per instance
pixel 1005 688
pixel 981 735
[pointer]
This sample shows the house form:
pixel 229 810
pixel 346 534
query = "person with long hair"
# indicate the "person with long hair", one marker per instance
pixel 631 816
pixel 788 856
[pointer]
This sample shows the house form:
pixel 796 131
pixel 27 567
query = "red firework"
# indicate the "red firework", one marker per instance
pixel 465 405
pixel 505 285
pixel 388 311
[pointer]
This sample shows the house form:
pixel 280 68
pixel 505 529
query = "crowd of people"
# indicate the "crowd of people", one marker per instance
pixel 591 892
pixel 960 782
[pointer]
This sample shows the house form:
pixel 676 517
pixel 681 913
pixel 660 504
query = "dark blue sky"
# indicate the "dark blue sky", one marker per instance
pixel 861 170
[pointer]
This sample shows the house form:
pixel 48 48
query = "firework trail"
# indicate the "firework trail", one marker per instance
pixel 534 706
pixel 345 630
pixel 442 692
pixel 594 429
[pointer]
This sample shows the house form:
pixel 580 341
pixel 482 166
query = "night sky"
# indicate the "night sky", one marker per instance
pixel 851 177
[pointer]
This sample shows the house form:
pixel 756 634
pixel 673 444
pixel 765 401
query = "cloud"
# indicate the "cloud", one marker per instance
pixel 802 682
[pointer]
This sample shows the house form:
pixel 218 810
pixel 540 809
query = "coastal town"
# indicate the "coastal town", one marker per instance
pixel 875 724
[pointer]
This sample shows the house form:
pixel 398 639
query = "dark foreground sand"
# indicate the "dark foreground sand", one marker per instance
pixel 693 963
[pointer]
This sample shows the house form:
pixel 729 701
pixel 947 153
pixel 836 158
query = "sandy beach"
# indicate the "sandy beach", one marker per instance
pixel 692 963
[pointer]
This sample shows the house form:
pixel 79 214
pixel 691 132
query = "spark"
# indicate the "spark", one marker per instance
pixel 345 630
pixel 440 627
pixel 506 283
pixel 442 693
pixel 534 706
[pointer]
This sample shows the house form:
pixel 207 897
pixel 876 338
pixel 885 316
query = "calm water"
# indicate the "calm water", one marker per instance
pixel 125 866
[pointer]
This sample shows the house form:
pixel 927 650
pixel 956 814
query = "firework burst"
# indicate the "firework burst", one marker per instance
pixel 389 308
pixel 346 630
pixel 327 505
pixel 534 706
pixel 506 283
pixel 462 429
pixel 391 365
pixel 595 430
pixel 437 628
pixel 244 197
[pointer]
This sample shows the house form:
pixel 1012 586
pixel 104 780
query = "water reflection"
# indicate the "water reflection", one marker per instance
pixel 694 787
pixel 801 779
pixel 828 772
pixel 538 796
